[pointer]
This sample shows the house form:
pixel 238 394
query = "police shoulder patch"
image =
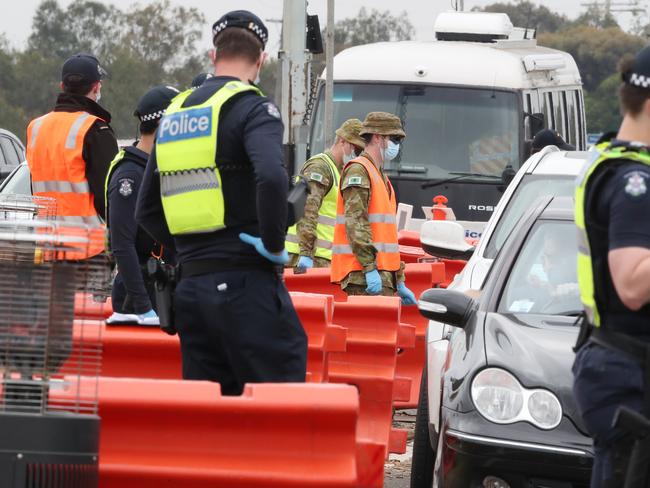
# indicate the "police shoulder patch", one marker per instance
pixel 272 110
pixel 125 187
pixel 636 183
pixel 316 177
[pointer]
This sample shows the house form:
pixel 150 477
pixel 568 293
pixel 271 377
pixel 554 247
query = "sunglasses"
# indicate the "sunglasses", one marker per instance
pixel 396 139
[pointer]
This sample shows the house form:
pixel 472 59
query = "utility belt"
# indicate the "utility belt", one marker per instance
pixel 206 266
pixel 622 343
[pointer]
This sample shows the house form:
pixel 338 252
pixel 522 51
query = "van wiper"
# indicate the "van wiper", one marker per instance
pixel 407 169
pixel 459 176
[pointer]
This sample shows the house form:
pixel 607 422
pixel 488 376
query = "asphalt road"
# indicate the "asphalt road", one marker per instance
pixel 397 470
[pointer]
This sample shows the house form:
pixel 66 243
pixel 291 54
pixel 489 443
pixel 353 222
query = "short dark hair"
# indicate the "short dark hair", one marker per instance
pixel 148 127
pixel 632 98
pixel 236 42
pixel 78 89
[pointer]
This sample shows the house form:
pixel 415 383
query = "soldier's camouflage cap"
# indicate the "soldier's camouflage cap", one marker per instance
pixel 382 123
pixel 350 131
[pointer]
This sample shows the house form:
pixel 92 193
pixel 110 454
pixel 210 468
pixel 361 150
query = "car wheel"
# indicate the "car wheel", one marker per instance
pixel 423 454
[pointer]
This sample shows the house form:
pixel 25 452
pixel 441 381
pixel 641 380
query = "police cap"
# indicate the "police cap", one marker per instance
pixel 81 69
pixel 548 137
pixel 383 124
pixel 153 104
pixel 350 130
pixel 639 74
pixel 243 19
pixel 200 79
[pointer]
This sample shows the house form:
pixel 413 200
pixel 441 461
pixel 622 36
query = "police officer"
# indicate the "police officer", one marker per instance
pixel 612 207
pixel 133 295
pixel 69 149
pixel 309 243
pixel 234 315
pixel 365 254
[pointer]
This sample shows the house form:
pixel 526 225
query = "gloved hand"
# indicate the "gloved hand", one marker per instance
pixel 256 242
pixel 373 280
pixel 305 262
pixel 407 296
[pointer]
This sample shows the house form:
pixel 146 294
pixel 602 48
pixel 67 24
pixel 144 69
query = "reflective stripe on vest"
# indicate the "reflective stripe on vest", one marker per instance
pixel 382 209
pixel 605 152
pixel 55 143
pixel 186 146
pixel 326 216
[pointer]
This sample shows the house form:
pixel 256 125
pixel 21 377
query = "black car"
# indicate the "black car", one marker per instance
pixel 12 153
pixel 506 417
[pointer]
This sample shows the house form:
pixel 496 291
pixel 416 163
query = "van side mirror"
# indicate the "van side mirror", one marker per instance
pixel 535 122
pixel 447 306
pixel 445 239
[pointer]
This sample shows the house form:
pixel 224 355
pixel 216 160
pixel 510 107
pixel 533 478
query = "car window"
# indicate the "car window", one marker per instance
pixel 18 182
pixel 544 279
pixel 11 157
pixel 530 188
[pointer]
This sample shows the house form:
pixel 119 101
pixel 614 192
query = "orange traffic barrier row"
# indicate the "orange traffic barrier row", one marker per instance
pixel 146 352
pixel 316 313
pixel 452 268
pixel 314 280
pixel 374 335
pixel 186 434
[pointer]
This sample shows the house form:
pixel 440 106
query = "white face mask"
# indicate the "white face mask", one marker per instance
pixel 98 96
pixel 391 151
pixel 348 157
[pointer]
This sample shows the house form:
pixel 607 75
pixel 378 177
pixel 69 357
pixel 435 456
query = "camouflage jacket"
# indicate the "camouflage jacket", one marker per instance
pixel 355 190
pixel 319 177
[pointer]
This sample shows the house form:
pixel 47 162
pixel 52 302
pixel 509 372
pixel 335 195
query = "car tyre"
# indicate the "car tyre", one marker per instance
pixel 423 454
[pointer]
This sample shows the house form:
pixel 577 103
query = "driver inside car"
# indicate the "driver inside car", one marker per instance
pixel 558 265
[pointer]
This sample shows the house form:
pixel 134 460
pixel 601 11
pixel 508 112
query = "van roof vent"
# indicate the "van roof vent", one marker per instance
pixel 472 26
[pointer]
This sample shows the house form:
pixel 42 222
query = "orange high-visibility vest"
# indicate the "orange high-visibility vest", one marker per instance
pixel 55 158
pixel 381 215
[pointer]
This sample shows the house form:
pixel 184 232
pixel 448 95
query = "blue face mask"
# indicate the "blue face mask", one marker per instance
pixel 348 157
pixel 391 151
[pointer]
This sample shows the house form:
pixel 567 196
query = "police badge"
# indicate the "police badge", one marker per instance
pixel 126 187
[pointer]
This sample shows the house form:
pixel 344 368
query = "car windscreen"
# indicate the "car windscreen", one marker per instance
pixel 543 279
pixel 18 182
pixel 448 129
pixel 529 189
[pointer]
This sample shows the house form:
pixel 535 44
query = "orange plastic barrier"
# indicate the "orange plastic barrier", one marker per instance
pixel 146 352
pixel 374 334
pixel 419 277
pixel 315 313
pixel 315 280
pixel 452 268
pixel 158 433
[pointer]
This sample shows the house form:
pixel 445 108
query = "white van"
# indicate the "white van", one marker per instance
pixel 469 101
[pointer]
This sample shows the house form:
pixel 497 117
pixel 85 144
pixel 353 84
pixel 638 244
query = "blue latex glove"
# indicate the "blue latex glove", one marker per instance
pixel 148 318
pixel 373 280
pixel 305 262
pixel 257 243
pixel 407 296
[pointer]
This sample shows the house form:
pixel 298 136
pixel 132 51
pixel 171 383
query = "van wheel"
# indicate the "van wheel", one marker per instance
pixel 423 454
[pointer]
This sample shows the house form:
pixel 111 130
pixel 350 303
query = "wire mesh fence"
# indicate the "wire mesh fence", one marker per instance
pixel 49 362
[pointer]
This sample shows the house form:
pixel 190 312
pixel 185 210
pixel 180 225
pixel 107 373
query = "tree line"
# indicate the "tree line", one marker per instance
pixel 158 43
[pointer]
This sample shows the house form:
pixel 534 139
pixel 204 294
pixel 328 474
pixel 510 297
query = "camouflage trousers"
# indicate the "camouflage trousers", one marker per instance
pixel 356 290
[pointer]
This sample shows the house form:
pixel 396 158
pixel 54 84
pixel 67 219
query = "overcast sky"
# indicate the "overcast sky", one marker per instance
pixel 15 21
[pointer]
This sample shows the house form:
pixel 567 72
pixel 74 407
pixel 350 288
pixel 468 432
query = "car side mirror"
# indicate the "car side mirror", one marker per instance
pixel 445 239
pixel 447 306
pixel 535 122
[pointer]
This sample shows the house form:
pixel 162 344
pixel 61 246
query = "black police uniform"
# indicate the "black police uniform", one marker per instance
pixel 234 316
pixel 131 246
pixel 606 379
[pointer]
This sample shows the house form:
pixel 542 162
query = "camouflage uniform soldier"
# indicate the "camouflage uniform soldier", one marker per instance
pixel 366 253
pixel 309 242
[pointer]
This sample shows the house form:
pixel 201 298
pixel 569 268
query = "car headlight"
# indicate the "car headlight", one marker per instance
pixel 500 398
